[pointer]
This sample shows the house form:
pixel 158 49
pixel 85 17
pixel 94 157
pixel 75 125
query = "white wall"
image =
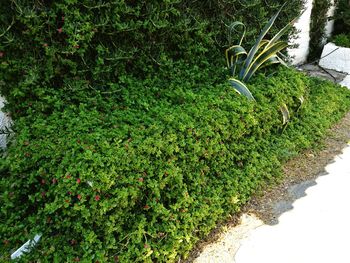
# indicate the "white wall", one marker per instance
pixel 299 54
pixel 330 23
pixel 4 122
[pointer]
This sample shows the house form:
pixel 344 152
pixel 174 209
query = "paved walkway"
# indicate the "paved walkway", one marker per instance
pixel 317 229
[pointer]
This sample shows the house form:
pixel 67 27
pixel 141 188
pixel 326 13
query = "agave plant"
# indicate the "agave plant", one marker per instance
pixel 262 54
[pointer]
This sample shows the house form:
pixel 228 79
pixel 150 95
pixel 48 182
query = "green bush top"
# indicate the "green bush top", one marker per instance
pixel 144 181
pixel 128 145
pixel 67 50
pixel 342 40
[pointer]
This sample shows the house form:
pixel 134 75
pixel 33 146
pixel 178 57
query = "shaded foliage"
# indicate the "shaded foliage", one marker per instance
pixel 56 51
pixel 317 27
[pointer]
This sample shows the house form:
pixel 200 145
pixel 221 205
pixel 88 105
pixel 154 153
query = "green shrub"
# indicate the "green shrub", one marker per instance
pixel 317 27
pixel 342 40
pixel 66 50
pixel 342 17
pixel 166 164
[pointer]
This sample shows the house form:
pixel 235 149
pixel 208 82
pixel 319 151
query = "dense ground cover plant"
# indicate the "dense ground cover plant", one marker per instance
pixel 127 144
pixel 165 165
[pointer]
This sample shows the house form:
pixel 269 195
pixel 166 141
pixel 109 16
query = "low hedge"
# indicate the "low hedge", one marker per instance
pixel 341 40
pixel 342 17
pixel 143 180
pixel 319 18
pixel 52 48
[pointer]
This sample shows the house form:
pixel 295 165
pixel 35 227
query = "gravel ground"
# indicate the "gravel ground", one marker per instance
pixel 265 208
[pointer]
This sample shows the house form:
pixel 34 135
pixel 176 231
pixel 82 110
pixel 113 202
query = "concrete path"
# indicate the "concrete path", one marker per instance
pixel 317 229
pixel 313 229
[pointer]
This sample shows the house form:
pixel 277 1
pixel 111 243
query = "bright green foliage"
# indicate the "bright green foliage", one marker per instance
pixel 127 144
pixel 166 164
pixel 263 53
pixel 342 40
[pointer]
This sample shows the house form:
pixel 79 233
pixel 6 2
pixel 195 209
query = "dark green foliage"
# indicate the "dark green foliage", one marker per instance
pixel 342 40
pixel 342 24
pixel 342 17
pixel 167 163
pixel 128 96
pixel 65 51
pixel 317 27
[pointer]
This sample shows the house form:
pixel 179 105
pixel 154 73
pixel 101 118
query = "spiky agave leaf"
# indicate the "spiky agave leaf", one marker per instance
pixel 232 28
pixel 262 57
pixel 232 56
pixel 272 60
pixel 241 88
pixel 301 99
pixel 257 44
pixel 281 32
pixel 234 52
pixel 285 113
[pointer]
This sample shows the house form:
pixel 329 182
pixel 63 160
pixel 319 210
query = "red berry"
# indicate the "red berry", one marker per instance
pixel 60 30
pixel 68 176
pixel 78 181
pixel 67 201
pixel 54 180
pixel 79 196
pixel 146 207
pixel 97 197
